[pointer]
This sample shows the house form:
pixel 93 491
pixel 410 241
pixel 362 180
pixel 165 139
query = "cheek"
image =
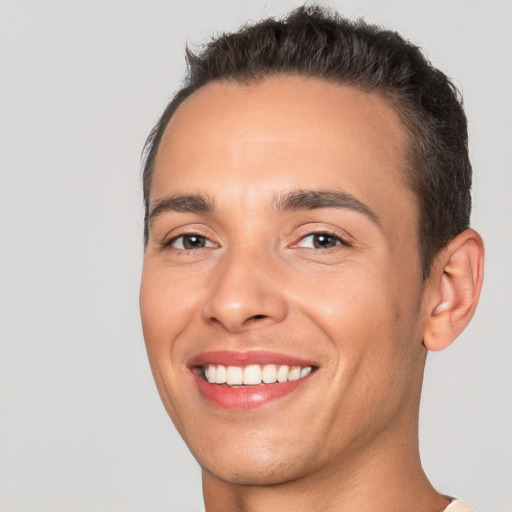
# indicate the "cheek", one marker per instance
pixel 162 313
pixel 352 295
pixel 368 320
pixel 166 302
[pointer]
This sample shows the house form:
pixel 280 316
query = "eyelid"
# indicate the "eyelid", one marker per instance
pixel 184 231
pixel 305 231
pixel 339 241
pixel 208 242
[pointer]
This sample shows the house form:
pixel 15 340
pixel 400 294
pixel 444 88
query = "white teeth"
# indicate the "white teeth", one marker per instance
pixel 294 373
pixel 220 375
pixel 234 376
pixel 282 373
pixel 211 374
pixel 254 374
pixel 305 371
pixel 269 374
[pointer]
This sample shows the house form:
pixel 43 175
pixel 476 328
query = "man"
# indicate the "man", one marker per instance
pixel 307 242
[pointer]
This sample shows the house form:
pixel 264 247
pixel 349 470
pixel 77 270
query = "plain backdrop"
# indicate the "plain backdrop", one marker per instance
pixel 81 85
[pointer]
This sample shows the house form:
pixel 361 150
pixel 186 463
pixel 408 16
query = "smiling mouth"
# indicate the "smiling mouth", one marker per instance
pixel 252 375
pixel 245 381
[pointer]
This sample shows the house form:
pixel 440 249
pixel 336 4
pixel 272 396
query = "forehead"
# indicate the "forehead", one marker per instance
pixel 286 132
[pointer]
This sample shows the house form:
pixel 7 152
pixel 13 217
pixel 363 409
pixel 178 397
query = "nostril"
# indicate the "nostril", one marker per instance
pixel 257 317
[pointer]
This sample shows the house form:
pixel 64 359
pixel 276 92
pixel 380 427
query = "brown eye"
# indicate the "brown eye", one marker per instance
pixel 320 241
pixel 190 242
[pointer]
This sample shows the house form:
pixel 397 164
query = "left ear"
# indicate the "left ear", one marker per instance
pixel 457 275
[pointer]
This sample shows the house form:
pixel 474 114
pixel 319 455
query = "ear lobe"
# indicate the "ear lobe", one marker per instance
pixel 459 274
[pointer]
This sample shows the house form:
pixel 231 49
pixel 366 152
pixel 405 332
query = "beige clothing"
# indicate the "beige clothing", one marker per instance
pixel 457 506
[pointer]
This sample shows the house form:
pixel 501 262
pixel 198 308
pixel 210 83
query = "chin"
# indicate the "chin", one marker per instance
pixel 260 476
pixel 261 467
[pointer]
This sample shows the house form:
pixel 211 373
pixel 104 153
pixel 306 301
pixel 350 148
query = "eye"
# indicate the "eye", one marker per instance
pixel 190 241
pixel 320 241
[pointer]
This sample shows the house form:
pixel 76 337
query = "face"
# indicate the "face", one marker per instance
pixel 281 288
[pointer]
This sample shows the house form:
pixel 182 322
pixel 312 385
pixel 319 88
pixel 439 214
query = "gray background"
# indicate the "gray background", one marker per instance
pixel 82 83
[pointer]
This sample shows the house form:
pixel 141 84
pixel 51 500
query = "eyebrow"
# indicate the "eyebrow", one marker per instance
pixel 314 199
pixel 292 200
pixel 183 203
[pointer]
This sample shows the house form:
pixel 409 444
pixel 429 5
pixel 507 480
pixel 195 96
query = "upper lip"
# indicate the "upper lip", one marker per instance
pixel 246 358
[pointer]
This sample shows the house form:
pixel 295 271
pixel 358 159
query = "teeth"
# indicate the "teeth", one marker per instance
pixel 220 375
pixel 294 373
pixel 235 376
pixel 254 374
pixel 269 373
pixel 305 371
pixel 282 373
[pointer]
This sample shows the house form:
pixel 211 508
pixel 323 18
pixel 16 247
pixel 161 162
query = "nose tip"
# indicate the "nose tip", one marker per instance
pixel 244 296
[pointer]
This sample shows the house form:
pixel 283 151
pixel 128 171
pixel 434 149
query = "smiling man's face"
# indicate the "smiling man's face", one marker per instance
pixel 283 253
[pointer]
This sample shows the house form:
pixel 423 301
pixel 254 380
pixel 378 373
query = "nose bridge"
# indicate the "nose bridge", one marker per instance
pixel 245 290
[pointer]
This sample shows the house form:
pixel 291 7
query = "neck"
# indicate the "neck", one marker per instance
pixel 387 475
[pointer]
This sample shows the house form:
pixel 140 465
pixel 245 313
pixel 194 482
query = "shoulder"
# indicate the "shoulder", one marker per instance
pixel 457 506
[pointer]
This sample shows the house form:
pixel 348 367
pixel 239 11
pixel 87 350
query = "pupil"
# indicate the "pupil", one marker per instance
pixel 323 241
pixel 193 242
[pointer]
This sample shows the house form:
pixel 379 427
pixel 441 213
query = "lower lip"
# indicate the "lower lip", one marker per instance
pixel 245 398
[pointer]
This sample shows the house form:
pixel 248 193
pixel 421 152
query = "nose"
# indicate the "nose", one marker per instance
pixel 245 293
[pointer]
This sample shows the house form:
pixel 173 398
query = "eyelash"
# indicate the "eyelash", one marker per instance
pixel 168 243
pixel 339 241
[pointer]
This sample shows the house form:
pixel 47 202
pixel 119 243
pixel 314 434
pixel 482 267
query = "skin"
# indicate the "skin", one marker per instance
pixel 347 439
